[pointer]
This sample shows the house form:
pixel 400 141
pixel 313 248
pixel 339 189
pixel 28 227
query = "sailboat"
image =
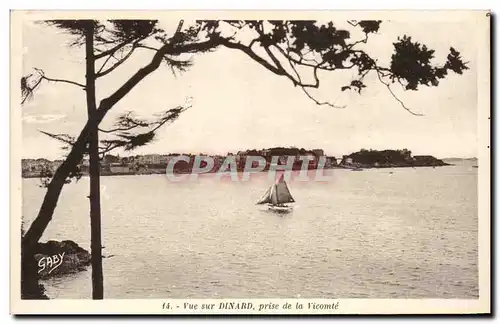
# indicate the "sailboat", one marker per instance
pixel 277 196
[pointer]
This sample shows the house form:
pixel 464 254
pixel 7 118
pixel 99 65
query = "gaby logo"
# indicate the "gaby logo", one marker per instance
pixel 50 263
pixel 188 168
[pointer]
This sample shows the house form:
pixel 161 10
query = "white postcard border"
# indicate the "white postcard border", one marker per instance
pixel 345 306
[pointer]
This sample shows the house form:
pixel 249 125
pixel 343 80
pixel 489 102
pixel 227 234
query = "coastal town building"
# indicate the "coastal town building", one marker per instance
pixel 119 168
pixel 273 157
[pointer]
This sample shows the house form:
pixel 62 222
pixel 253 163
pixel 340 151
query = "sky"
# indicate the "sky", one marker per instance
pixel 237 104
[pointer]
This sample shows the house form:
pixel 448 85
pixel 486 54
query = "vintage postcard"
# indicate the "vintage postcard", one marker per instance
pixel 250 162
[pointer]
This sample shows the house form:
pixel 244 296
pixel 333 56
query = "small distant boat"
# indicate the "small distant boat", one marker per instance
pixel 356 169
pixel 277 196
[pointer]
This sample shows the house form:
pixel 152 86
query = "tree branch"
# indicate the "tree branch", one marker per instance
pixel 109 147
pixel 169 116
pixel 364 41
pixel 105 62
pixel 26 90
pixel 264 43
pixel 117 64
pixel 321 103
pixel 147 47
pixel 65 138
pixel 116 48
pixel 112 50
pixel 395 97
pixel 126 123
pixel 42 75
pixel 247 50
pixel 65 81
pixel 303 87
pixel 117 129
pixel 279 70
pixel 167 49
pixel 130 141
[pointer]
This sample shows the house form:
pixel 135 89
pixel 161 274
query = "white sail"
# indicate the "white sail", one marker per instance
pixel 283 194
pixel 277 194
pixel 274 195
pixel 266 198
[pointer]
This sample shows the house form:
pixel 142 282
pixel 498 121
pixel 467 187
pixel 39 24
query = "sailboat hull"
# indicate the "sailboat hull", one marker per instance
pixel 280 209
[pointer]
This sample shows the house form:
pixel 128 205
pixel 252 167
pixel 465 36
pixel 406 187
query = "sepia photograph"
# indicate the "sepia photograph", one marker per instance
pixel 250 162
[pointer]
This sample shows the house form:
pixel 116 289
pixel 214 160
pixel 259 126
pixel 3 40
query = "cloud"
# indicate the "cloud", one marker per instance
pixel 42 119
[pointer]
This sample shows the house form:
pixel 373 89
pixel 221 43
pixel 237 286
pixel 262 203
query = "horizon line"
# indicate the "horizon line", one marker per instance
pixel 234 153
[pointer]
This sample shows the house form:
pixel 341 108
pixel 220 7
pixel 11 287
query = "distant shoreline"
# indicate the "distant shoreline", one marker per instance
pixel 341 167
pixel 293 159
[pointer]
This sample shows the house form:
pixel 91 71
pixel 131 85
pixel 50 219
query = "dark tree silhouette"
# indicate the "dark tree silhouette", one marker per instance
pixel 86 30
pixel 296 50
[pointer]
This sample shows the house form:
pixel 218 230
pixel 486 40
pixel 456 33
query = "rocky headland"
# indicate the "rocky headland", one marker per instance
pixel 47 260
pixel 56 258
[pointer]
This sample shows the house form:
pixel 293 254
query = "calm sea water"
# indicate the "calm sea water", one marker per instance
pixel 369 234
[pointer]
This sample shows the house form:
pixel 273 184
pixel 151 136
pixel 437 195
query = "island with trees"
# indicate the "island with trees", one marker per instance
pixel 389 159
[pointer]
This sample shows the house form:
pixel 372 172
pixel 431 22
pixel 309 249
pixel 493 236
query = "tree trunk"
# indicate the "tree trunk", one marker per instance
pixel 29 271
pixel 94 171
